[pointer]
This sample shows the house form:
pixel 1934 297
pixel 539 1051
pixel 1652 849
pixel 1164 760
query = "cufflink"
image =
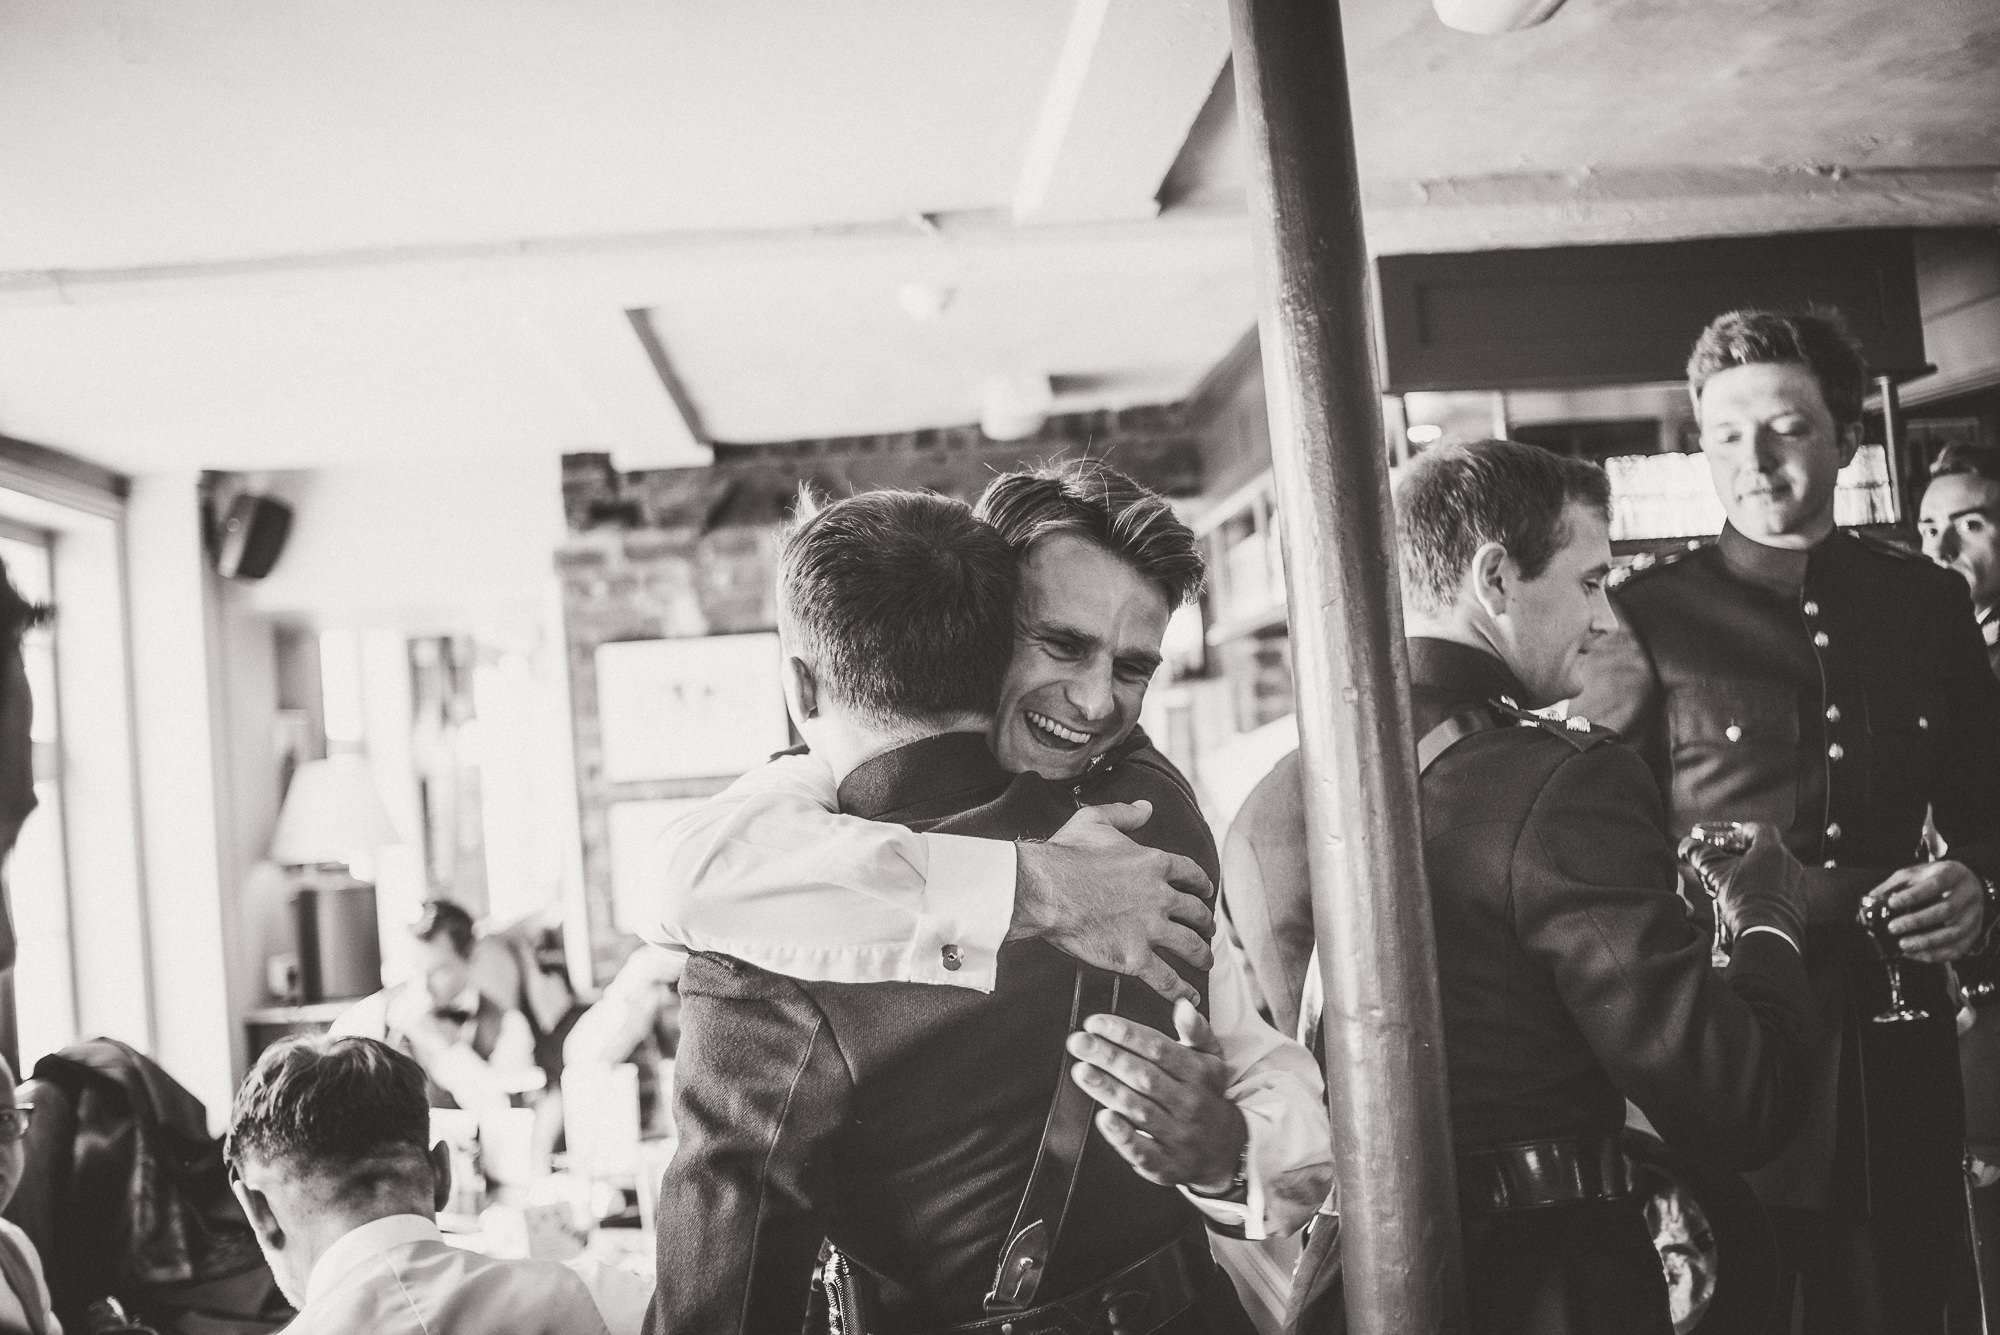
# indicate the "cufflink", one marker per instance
pixel 952 958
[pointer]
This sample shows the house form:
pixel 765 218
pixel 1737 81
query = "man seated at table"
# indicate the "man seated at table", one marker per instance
pixel 329 1154
pixel 474 1054
pixel 24 1293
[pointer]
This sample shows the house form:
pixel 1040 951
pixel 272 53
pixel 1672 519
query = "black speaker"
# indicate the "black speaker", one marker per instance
pixel 251 537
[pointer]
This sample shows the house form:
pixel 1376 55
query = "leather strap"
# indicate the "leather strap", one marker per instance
pixel 1137 1300
pixel 1038 1222
pixel 1451 732
pixel 14 1270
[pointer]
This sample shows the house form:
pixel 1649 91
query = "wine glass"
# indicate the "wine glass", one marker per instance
pixel 1875 916
pixel 1726 839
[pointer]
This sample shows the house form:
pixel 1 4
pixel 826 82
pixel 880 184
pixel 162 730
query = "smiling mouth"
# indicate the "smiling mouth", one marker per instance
pixel 1055 733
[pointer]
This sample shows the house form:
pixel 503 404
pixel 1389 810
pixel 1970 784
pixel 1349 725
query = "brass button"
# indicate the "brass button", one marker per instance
pixel 1833 832
pixel 1923 723
pixel 1820 641
pixel 1833 713
pixel 1734 732
pixel 1830 864
pixel 1811 608
pixel 1835 751
pixel 952 958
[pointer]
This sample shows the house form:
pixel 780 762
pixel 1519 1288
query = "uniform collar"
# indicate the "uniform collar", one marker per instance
pixel 1460 672
pixel 357 1247
pixel 930 770
pixel 1780 569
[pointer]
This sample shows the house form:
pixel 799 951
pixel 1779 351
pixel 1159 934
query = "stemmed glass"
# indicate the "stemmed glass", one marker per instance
pixel 1731 838
pixel 1875 916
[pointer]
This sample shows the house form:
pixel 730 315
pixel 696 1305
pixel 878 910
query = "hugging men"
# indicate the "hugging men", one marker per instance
pixel 940 1138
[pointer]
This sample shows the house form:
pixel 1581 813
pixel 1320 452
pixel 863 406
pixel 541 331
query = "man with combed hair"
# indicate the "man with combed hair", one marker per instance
pixel 942 1138
pixel 1570 976
pixel 770 872
pixel 1960 525
pixel 1832 684
pixel 330 1156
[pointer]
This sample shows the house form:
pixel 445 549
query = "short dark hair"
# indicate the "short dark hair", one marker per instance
pixel 441 917
pixel 1454 498
pixel 341 1108
pixel 1093 500
pixel 902 603
pixel 1958 459
pixel 1816 339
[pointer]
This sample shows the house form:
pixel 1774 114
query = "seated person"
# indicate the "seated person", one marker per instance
pixel 24 1293
pixel 871 1115
pixel 474 1054
pixel 329 1154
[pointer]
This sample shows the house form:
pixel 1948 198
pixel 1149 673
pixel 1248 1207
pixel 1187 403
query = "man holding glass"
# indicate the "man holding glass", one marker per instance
pixel 1835 686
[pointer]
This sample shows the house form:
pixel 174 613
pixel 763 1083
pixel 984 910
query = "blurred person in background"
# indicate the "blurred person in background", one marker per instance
pixel 17 780
pixel 475 1054
pixel 24 1292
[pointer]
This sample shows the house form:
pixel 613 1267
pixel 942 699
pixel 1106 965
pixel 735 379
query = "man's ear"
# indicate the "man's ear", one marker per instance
pixel 1488 578
pixel 263 1220
pixel 440 1157
pixel 801 689
pixel 1847 440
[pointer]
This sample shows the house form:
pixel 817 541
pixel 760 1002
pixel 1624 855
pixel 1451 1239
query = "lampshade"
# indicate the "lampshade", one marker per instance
pixel 1488 17
pixel 332 813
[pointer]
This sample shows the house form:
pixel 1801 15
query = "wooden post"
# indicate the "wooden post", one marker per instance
pixel 1385 1062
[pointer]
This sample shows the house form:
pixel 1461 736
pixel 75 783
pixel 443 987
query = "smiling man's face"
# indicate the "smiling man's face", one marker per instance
pixel 1774 451
pixel 1086 645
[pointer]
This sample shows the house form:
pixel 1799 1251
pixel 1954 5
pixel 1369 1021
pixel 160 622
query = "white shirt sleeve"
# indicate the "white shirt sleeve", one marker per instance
pixel 859 901
pixel 1276 1083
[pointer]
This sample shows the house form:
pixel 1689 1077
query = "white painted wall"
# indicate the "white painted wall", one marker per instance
pixel 184 810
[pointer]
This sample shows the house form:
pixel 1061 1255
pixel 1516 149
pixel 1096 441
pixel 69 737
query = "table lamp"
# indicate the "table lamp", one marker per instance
pixel 332 816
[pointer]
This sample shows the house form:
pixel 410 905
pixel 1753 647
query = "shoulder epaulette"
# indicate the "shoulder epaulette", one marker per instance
pixel 1885 546
pixel 1649 561
pixel 1577 730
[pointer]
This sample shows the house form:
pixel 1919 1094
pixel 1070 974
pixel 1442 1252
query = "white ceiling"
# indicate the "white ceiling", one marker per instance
pixel 264 233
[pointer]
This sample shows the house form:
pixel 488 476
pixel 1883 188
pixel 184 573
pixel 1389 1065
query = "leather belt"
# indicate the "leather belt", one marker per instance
pixel 1534 1174
pixel 1140 1298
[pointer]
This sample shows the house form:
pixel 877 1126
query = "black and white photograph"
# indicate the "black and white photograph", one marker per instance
pixel 1000 667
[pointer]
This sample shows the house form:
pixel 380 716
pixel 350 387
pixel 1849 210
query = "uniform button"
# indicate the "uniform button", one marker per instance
pixel 1734 732
pixel 1811 608
pixel 1835 751
pixel 1820 641
pixel 1833 832
pixel 1830 864
pixel 952 959
pixel 1923 723
pixel 1833 713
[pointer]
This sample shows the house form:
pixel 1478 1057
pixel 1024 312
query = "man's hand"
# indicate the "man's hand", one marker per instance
pixel 1165 1106
pixel 1762 888
pixel 1939 907
pixel 1094 894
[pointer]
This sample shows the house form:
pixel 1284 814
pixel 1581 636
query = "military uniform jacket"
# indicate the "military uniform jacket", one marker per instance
pixel 1838 693
pixel 1570 974
pixel 899 1120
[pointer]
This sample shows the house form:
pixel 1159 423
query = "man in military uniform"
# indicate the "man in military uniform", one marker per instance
pixel 1571 976
pixel 1834 685
pixel 1960 525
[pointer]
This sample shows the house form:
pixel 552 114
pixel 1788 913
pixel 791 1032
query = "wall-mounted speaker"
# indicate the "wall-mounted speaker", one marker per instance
pixel 251 536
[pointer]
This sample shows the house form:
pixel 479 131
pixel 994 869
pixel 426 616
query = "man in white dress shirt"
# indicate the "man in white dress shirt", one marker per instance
pixel 329 1155
pixel 475 1053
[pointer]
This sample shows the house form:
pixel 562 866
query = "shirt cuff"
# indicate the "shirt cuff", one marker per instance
pixel 1778 932
pixel 1244 1218
pixel 968 909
